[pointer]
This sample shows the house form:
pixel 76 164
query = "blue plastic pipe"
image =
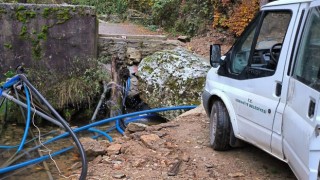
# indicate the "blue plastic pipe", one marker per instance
pixel 86 127
pixel 101 132
pixel 107 131
pixel 23 140
pixel 127 121
pixel 8 147
pixel 119 129
pixel 11 82
pixel 33 161
pixel 118 117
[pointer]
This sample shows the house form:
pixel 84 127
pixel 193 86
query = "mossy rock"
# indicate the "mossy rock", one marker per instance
pixel 172 78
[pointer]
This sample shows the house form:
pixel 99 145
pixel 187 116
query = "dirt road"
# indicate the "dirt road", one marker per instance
pixel 124 29
pixel 153 153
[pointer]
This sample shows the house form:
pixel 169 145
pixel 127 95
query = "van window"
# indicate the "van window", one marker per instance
pixel 258 49
pixel 307 64
pixel 242 50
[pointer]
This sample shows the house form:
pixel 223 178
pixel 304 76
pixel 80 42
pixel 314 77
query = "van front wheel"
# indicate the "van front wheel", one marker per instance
pixel 220 127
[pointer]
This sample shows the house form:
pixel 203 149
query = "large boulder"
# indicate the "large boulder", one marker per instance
pixel 172 78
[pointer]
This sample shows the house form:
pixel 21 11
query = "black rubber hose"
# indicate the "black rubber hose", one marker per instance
pixel 64 124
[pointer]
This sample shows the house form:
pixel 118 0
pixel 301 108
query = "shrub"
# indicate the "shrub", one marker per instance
pixel 165 12
pixel 104 6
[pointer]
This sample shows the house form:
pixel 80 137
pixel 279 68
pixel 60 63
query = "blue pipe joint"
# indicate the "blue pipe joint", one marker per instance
pixel 11 82
pixel 119 129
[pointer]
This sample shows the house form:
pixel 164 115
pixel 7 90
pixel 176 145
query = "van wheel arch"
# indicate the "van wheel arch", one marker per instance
pixel 221 131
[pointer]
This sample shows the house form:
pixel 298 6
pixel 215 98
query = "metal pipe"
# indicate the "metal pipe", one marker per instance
pixel 11 98
pixel 105 89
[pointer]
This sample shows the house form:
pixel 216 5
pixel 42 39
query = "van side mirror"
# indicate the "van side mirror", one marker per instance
pixel 215 55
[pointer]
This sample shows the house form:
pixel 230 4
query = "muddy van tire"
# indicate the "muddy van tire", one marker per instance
pixel 220 127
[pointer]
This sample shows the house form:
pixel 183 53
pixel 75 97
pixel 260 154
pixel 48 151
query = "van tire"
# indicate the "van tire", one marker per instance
pixel 220 127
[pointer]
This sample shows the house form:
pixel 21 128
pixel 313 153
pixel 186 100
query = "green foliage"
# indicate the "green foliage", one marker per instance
pixel 176 16
pixel 2 11
pixel 143 6
pixel 23 31
pixel 165 12
pixel 152 27
pixel 106 6
pixel 76 88
pixel 8 45
pixel 23 15
pixel 235 17
pixel 9 74
pixel 194 16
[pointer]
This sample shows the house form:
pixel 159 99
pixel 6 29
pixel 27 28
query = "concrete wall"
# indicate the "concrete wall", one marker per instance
pixel 46 37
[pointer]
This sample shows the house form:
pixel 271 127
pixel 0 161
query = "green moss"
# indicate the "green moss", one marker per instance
pixel 36 49
pixel 8 45
pixel 23 15
pixel 21 8
pixel 3 11
pixel 74 9
pixel 46 12
pixel 43 34
pixel 147 69
pixel 23 31
pixel 141 44
pixel 30 14
pixel 63 15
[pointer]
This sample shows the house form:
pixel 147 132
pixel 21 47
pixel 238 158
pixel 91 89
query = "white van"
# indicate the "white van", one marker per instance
pixel 266 89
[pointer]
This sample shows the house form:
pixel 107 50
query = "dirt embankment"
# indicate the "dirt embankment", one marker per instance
pixel 180 150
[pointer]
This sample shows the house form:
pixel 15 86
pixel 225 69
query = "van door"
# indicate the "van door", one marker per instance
pixel 253 73
pixel 301 118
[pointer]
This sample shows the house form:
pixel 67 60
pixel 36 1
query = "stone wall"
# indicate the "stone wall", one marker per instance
pixel 46 37
pixel 57 45
pixel 132 49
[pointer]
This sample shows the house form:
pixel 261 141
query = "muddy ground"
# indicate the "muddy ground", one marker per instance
pixel 180 150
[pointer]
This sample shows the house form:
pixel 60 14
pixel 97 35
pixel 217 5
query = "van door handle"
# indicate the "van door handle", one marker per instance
pixel 312 106
pixel 317 130
pixel 278 89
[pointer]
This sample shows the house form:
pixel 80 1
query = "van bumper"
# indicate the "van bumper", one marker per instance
pixel 205 99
